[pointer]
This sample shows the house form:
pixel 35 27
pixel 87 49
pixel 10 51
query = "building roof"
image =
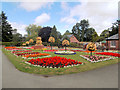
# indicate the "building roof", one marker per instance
pixel 114 37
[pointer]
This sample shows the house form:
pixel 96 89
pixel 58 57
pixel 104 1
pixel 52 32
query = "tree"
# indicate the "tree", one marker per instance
pixel 44 33
pixel 84 24
pixel 80 29
pixel 54 32
pixel 114 29
pixel 32 31
pixel 6 28
pixel 67 33
pixel 95 37
pixel 51 40
pixel 104 35
pixel 65 43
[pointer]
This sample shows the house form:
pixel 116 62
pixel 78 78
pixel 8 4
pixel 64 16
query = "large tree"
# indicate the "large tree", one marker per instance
pixel 54 32
pixel 67 33
pixel 32 31
pixel 104 35
pixel 89 34
pixel 6 28
pixel 44 33
pixel 84 24
pixel 80 29
pixel 114 29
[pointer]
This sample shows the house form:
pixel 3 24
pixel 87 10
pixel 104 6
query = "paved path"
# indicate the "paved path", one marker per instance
pixel 106 77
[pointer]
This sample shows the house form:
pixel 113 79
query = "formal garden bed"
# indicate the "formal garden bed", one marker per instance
pixel 95 58
pixel 81 65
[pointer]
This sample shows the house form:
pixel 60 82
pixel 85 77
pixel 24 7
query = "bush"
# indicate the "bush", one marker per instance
pixel 45 43
pixel 75 45
pixel 11 43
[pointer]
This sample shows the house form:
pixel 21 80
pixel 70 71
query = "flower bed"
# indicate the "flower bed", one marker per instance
pixel 22 51
pixel 50 50
pixel 88 51
pixel 95 58
pixel 36 55
pixel 23 54
pixel 65 53
pixel 76 50
pixel 109 53
pixel 53 62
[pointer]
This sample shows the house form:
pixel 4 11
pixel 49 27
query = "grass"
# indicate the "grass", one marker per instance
pixel 20 64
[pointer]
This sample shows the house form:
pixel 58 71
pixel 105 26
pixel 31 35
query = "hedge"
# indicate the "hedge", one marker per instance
pixel 11 43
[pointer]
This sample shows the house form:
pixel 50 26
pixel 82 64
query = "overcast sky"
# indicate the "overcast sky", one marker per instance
pixel 62 14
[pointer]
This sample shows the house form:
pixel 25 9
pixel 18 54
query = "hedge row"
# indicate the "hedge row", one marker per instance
pixel 10 43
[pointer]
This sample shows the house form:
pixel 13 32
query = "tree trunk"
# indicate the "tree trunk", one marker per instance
pixel 91 53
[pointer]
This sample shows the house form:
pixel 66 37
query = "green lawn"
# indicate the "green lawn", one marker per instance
pixel 20 64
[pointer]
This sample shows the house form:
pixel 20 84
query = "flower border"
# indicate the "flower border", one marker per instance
pixel 96 61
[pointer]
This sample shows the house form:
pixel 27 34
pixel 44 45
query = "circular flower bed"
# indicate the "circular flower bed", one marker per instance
pixel 95 58
pixel 53 62
pixel 65 52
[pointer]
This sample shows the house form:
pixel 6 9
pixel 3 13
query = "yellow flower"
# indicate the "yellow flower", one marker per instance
pixel 24 44
pixel 38 38
pixel 65 42
pixel 91 46
pixel 51 39
pixel 27 42
pixel 31 41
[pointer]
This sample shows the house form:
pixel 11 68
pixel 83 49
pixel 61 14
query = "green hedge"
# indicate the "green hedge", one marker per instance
pixel 11 43
pixel 75 45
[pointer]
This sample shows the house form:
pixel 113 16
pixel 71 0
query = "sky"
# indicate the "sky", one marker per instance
pixel 63 14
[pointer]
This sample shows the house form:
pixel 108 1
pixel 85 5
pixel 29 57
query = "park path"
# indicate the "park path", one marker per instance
pixel 106 77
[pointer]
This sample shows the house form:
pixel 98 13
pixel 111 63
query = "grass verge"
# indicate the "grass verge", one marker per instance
pixel 20 64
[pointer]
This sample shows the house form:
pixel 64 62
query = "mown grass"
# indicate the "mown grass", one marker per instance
pixel 20 64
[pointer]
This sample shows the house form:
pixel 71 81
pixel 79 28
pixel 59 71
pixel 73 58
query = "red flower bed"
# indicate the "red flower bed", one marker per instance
pixel 54 62
pixel 50 50
pixel 109 53
pixel 23 54
pixel 22 51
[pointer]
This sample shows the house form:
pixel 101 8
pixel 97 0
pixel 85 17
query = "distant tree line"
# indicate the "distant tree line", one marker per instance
pixel 81 30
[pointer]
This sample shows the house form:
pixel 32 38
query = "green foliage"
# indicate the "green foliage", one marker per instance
pixel 76 45
pixel 80 29
pixel 114 29
pixel 45 43
pixel 32 31
pixel 67 33
pixel 95 37
pixel 104 35
pixel 11 43
pixel 6 28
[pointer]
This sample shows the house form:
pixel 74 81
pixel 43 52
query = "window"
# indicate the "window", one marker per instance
pixel 113 43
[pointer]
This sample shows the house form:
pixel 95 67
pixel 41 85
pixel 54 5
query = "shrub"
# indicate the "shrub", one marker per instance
pixel 76 45
pixel 11 43
pixel 45 43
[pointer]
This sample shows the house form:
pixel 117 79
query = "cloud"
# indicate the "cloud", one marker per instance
pixel 68 20
pixel 101 15
pixel 42 19
pixel 64 6
pixel 20 27
pixel 33 6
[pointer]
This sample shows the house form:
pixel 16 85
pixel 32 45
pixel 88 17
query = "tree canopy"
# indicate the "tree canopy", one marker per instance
pixel 6 28
pixel 32 31
pixel 80 29
pixel 44 33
